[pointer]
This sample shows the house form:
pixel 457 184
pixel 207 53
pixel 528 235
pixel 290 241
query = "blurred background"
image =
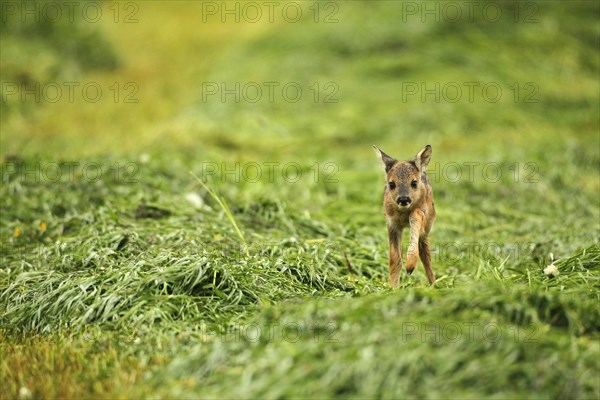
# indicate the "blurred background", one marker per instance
pixel 129 77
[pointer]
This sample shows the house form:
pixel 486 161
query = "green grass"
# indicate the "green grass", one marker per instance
pixel 147 282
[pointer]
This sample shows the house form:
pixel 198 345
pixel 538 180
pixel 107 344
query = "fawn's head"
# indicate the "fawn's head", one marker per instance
pixel 405 185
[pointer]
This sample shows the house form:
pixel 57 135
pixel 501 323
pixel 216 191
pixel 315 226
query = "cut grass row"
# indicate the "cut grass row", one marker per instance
pixel 542 335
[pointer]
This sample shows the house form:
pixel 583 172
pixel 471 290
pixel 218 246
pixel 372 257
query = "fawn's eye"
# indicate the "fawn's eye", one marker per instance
pixel 413 184
pixel 392 185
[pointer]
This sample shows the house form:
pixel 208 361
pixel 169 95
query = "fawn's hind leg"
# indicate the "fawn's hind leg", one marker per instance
pixel 425 255
pixel 395 261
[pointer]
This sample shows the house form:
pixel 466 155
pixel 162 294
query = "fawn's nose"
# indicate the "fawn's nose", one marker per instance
pixel 403 200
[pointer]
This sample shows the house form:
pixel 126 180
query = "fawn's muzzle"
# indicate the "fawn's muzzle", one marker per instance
pixel 403 200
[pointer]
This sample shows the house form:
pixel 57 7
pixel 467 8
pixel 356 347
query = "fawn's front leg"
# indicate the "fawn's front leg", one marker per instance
pixel 395 261
pixel 412 255
pixel 425 255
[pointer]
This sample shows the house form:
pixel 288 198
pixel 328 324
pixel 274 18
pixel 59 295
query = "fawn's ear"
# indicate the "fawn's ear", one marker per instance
pixel 387 161
pixel 422 158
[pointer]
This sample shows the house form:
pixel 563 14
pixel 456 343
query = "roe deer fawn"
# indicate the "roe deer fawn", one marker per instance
pixel 408 202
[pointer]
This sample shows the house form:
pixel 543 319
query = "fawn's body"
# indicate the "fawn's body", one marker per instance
pixel 408 203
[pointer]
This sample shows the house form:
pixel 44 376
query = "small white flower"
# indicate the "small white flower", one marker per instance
pixel 551 269
pixel 24 393
pixel 194 199
pixel 144 158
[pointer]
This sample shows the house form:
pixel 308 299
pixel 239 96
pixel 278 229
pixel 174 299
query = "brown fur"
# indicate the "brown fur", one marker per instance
pixel 408 206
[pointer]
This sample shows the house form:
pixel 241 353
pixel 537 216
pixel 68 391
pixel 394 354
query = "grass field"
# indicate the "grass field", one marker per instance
pixel 124 276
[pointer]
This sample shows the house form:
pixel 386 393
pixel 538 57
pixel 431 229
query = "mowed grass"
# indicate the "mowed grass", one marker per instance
pixel 129 279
